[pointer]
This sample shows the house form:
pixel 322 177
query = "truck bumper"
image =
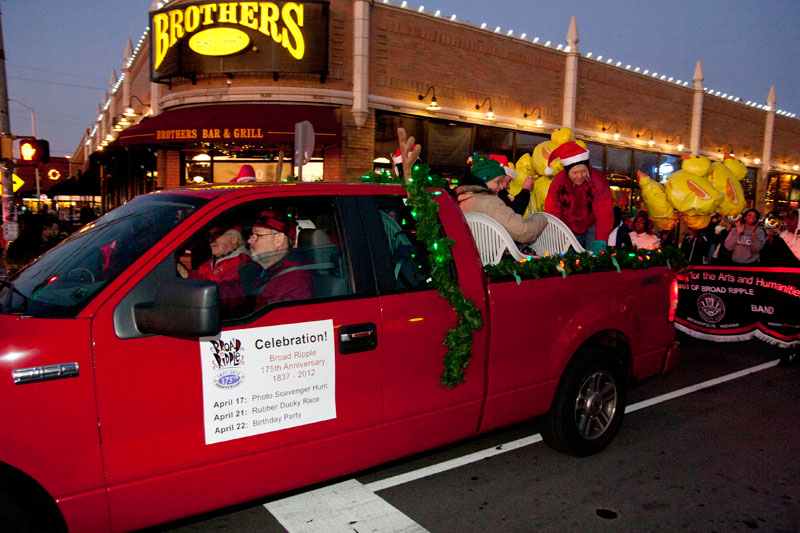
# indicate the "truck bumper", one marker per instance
pixel 671 357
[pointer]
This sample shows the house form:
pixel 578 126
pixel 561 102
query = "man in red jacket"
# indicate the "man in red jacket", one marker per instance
pixel 228 253
pixel 281 276
pixel 580 196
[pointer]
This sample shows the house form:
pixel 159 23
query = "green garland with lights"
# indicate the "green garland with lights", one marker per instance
pixel 584 263
pixel 468 317
pixel 440 258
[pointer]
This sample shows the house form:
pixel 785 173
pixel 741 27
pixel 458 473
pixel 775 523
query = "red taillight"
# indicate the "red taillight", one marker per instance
pixel 673 300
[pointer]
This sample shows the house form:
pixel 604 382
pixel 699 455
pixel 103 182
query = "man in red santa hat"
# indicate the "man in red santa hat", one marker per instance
pixel 580 197
pixel 247 174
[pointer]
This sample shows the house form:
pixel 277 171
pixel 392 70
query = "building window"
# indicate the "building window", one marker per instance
pixel 448 146
pixel 494 141
pixel 386 134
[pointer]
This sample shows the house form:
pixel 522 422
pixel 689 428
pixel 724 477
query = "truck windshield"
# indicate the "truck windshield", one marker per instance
pixel 63 280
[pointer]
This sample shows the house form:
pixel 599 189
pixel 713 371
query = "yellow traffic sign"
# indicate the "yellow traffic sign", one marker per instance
pixel 17 183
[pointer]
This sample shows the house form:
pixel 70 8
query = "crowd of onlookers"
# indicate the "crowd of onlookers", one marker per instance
pixel 747 240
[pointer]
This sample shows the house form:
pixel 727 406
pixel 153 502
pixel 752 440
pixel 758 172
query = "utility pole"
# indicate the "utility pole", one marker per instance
pixel 9 215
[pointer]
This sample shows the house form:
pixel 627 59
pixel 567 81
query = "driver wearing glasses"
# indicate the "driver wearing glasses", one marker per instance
pixel 281 276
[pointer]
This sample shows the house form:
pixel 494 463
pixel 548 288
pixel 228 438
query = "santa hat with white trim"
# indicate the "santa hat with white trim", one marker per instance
pixel 570 154
pixel 397 160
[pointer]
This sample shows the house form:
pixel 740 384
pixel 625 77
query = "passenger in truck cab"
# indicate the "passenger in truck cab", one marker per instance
pixel 228 254
pixel 478 190
pixel 228 251
pixel 280 276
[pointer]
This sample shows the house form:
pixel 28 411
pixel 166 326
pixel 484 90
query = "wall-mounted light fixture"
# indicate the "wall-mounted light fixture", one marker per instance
pixel 786 162
pixel 676 137
pixel 434 105
pixel 616 129
pixel 490 112
pixel 725 150
pixel 129 111
pixel 651 142
pixel 538 112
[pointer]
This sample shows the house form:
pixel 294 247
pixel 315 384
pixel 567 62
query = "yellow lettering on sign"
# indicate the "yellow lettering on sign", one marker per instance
pixel 208 13
pixel 175 26
pixel 269 20
pixel 248 15
pixel 227 12
pixel 298 50
pixel 166 135
pixel 284 25
pixel 160 38
pixel 192 18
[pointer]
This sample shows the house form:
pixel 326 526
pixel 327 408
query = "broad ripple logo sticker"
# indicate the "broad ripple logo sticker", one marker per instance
pixel 227 364
pixel 710 307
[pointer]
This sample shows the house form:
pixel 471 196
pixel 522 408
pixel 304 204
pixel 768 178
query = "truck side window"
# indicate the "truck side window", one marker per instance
pixel 409 257
pixel 270 252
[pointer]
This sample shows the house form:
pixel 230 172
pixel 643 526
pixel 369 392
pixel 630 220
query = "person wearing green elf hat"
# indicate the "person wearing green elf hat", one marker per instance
pixel 478 192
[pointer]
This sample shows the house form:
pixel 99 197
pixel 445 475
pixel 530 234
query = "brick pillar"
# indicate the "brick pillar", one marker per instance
pixel 168 164
pixel 358 145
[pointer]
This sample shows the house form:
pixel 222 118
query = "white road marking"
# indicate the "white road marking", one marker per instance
pixel 452 463
pixel 350 506
pixel 344 507
pixel 699 386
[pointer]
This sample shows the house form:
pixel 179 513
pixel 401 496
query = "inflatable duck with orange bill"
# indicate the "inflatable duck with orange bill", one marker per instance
pixel 697 191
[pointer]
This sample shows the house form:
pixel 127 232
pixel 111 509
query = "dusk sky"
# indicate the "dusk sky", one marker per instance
pixel 60 53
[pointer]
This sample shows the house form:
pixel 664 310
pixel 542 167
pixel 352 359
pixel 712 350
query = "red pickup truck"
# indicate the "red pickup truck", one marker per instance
pixel 134 396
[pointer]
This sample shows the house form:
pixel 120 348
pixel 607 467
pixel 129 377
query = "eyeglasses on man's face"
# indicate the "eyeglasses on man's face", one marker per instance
pixel 267 234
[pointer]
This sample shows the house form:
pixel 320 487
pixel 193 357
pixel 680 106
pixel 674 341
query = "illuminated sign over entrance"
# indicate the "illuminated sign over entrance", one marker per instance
pixel 230 37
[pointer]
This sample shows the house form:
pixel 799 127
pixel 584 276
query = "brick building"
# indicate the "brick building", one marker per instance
pixel 183 111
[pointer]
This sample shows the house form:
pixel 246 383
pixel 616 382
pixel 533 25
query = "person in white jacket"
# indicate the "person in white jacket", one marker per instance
pixel 640 236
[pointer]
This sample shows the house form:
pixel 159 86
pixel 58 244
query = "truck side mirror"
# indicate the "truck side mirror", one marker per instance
pixel 182 308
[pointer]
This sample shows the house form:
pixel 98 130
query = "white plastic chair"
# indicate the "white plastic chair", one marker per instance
pixel 556 238
pixel 491 238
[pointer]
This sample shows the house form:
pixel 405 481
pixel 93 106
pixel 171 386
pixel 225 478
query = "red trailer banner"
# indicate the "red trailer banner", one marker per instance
pixel 730 304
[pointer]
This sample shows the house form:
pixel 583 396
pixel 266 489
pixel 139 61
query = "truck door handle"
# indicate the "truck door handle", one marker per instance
pixel 358 338
pixel 45 373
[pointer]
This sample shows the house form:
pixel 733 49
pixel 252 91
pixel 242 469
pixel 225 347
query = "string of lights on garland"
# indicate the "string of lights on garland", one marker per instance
pixel 425 211
pixel 583 263
pixel 458 340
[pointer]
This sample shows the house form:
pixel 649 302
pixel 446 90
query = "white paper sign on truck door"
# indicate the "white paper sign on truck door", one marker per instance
pixel 266 379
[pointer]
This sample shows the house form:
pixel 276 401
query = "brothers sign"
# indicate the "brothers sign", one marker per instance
pixel 739 303
pixel 230 37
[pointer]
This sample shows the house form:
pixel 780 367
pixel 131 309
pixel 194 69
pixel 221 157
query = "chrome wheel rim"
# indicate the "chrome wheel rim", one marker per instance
pixel 595 405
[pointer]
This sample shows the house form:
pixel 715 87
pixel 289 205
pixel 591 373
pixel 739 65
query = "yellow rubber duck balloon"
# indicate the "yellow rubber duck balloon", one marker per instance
pixel 541 153
pixel 692 194
pixel 540 188
pixel 724 181
pixel 697 221
pixel 561 135
pixel 658 206
pixel 696 164
pixel 735 166
pixel 524 168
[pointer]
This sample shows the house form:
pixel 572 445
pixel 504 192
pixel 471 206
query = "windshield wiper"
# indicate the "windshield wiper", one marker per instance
pixel 5 283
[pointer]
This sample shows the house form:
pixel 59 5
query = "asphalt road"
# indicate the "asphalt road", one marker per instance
pixel 724 456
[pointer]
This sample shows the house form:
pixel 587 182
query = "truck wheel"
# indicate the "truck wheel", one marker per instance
pixel 11 517
pixel 588 405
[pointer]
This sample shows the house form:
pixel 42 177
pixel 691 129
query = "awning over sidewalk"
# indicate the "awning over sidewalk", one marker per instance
pixel 243 124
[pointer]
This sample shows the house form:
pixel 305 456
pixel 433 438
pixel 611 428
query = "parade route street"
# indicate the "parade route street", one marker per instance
pixel 721 454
